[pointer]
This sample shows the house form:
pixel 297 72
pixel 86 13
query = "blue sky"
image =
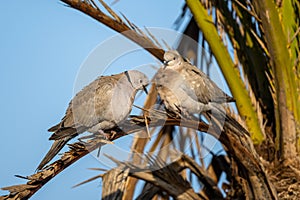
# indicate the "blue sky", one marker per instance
pixel 43 45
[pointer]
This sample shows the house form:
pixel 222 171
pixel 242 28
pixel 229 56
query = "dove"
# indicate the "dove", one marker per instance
pixel 176 94
pixel 205 89
pixel 188 90
pixel 101 105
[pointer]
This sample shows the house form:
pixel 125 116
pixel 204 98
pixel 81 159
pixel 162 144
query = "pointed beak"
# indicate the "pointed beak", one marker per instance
pixel 145 89
pixel 165 64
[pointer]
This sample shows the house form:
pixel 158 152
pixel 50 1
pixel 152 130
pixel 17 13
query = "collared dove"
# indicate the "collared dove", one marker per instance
pixel 103 104
pixel 176 93
pixel 186 90
pixel 205 89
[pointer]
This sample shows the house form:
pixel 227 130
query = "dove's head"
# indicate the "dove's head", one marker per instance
pixel 138 80
pixel 172 59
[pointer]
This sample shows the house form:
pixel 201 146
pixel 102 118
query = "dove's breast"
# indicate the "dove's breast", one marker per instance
pixel 170 99
pixel 121 104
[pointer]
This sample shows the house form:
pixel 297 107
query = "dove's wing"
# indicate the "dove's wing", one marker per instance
pixel 205 89
pixel 85 108
pixel 92 105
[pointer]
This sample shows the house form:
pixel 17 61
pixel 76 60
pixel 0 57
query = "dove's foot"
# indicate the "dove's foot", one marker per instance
pixel 107 136
pixel 112 134
pixel 103 134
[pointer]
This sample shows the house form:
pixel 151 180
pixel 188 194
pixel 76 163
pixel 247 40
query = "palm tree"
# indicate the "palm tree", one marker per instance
pixel 256 45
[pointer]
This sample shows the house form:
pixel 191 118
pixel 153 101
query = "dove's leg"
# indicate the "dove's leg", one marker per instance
pixel 101 132
pixel 107 136
pixel 98 130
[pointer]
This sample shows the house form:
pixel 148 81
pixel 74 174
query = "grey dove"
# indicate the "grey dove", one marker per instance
pixel 205 89
pixel 176 93
pixel 101 105
pixel 185 89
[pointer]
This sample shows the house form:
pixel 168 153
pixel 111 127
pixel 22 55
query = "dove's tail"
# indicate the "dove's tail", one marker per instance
pixel 55 148
pixel 230 122
pixel 60 136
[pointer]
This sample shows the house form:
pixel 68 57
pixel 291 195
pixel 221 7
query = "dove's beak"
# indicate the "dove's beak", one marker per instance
pixel 165 64
pixel 145 89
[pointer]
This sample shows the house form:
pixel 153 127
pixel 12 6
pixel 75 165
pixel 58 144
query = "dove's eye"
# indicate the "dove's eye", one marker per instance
pixel 174 58
pixel 141 80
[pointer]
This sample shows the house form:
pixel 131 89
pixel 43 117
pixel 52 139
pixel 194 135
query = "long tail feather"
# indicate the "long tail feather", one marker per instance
pixel 55 148
pixel 220 116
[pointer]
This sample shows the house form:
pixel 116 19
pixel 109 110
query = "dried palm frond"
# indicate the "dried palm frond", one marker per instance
pixel 166 177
